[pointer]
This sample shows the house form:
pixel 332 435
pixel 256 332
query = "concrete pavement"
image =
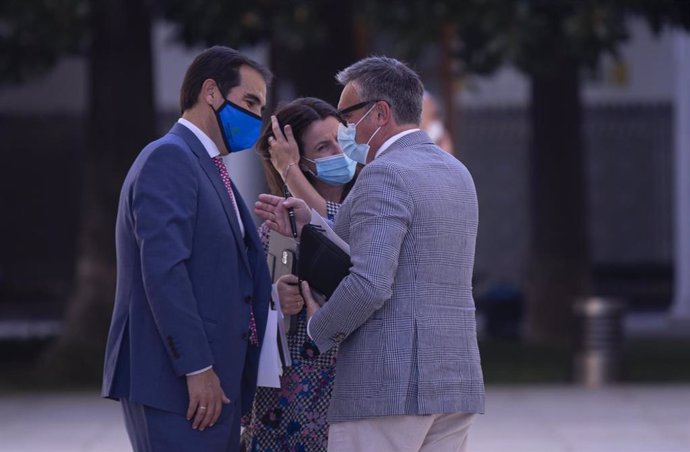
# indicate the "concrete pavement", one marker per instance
pixel 559 418
pixel 574 419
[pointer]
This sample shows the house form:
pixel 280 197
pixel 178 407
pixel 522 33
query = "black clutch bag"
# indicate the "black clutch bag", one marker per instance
pixel 321 263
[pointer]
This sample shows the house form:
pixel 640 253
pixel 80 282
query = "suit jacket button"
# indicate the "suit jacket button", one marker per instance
pixel 248 299
pixel 245 335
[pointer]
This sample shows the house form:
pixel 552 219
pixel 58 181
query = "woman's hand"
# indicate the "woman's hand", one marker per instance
pixel 283 149
pixel 291 301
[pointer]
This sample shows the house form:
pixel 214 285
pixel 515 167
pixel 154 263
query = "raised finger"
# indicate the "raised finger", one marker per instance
pixel 264 207
pixel 288 134
pixel 269 199
pixel 275 126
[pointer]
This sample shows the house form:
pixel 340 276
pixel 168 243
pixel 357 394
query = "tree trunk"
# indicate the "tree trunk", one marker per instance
pixel 121 122
pixel 312 70
pixel 559 270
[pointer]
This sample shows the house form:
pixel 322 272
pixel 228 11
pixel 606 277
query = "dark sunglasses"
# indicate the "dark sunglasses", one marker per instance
pixel 357 106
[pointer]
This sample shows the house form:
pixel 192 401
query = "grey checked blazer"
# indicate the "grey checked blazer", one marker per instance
pixel 405 316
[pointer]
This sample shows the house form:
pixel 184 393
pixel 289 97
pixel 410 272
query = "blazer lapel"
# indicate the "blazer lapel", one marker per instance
pixel 214 177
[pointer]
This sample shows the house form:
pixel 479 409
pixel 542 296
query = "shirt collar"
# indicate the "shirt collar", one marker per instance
pixel 393 139
pixel 206 142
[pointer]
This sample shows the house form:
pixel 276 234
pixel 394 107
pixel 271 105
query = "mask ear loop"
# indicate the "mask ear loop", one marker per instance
pixel 365 115
pixel 305 168
pixel 373 135
pixel 377 129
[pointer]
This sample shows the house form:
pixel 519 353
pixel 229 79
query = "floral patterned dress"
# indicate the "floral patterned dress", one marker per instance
pixel 293 417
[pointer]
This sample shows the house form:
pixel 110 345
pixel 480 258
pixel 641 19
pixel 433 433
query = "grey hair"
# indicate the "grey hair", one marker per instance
pixel 384 78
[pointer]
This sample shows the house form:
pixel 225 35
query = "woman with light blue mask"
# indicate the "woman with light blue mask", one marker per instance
pixel 300 148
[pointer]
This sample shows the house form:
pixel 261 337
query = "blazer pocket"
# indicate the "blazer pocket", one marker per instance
pixel 360 358
pixel 446 343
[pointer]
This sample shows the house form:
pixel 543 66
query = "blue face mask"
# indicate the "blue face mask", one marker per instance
pixel 240 128
pixel 346 139
pixel 335 169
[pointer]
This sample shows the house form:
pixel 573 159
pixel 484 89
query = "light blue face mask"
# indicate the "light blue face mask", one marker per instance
pixel 240 128
pixel 335 169
pixel 346 139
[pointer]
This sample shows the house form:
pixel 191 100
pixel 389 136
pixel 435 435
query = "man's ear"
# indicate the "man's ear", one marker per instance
pixel 209 92
pixel 383 113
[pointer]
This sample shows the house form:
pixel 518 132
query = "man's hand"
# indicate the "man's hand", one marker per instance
pixel 291 301
pixel 273 209
pixel 206 399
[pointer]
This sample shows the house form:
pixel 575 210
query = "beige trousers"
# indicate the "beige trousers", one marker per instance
pixel 437 433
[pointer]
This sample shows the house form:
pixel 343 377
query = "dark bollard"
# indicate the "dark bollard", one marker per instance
pixel 598 341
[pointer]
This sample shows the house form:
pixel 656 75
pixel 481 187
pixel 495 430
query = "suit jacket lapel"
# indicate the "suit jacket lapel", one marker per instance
pixel 214 177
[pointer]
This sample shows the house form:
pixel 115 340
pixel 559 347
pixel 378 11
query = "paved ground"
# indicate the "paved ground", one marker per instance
pixel 648 418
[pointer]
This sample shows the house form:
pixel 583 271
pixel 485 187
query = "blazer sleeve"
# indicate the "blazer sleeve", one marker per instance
pixel 380 214
pixel 164 214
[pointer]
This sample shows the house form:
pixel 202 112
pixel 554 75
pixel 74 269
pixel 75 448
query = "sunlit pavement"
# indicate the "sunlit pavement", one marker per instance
pixel 639 418
pixel 647 418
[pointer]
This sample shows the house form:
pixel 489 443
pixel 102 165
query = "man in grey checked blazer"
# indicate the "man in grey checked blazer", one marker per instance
pixel 408 372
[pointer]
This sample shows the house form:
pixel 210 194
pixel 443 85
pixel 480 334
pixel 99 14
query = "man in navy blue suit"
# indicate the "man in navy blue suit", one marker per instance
pixel 192 281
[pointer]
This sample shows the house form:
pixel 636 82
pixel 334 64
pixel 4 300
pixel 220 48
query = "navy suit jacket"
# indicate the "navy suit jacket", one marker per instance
pixel 185 281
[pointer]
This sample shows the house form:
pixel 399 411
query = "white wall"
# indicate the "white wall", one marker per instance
pixel 649 68
pixel 64 89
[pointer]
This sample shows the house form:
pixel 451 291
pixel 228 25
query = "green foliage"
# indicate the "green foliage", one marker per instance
pixel 529 34
pixel 34 34
pixel 294 25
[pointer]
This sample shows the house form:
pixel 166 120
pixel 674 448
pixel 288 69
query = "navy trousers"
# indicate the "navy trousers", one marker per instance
pixel 153 430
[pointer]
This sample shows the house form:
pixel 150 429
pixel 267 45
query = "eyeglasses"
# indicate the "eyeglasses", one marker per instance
pixel 357 106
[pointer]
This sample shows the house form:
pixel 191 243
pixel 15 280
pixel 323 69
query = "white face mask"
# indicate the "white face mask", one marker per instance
pixel 346 139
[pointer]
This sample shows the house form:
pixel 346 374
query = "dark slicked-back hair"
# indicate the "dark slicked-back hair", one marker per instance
pixel 384 78
pixel 299 114
pixel 218 63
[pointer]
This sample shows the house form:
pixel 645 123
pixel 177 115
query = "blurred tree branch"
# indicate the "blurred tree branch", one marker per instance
pixel 35 34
